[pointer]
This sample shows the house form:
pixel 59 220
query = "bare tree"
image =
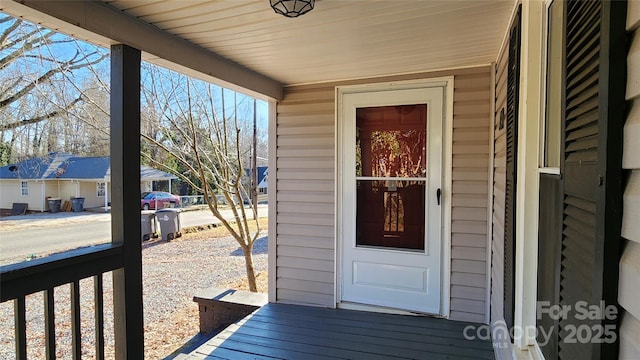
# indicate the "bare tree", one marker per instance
pixel 42 93
pixel 208 147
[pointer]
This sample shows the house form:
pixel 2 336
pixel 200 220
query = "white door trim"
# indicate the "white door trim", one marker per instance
pixel 448 84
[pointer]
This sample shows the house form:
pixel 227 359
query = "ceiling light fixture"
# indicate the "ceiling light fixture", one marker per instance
pixel 292 8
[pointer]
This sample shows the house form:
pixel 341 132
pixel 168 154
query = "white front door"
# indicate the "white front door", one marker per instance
pixel 390 199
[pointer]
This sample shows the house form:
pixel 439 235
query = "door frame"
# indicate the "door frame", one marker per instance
pixel 447 83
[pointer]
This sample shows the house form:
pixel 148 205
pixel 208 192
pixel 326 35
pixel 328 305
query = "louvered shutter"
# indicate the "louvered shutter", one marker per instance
pixel 580 169
pixel 513 82
pixel 589 248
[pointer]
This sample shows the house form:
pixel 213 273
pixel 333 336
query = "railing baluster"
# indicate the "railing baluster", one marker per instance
pixel 19 311
pixel 99 314
pixel 50 324
pixel 76 336
pixel 20 279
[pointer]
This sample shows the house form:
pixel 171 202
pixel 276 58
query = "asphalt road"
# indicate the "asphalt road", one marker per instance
pixel 43 234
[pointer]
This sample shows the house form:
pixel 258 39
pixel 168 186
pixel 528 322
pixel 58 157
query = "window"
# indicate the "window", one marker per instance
pixel 24 188
pixel 100 189
pixel 391 176
pixel 554 84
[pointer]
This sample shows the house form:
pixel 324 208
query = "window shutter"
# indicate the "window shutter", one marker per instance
pixel 593 115
pixel 513 84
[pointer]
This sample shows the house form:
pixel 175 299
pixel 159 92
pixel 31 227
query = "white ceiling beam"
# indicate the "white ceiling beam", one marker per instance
pixel 99 23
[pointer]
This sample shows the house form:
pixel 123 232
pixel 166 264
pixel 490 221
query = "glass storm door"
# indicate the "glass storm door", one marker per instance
pixel 390 198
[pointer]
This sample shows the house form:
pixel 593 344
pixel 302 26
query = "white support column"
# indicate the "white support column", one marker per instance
pixel 487 315
pixel 106 195
pixel 527 175
pixel 43 195
pixel 272 196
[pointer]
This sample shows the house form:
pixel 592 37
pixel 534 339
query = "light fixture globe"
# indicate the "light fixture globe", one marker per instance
pixel 292 8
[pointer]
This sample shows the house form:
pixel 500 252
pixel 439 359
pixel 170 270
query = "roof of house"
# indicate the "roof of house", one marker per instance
pixel 55 166
pixel 86 168
pixel 263 172
pixel 263 175
pixel 149 173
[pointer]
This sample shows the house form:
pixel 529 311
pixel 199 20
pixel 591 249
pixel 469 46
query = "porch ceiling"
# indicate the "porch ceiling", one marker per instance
pixel 337 40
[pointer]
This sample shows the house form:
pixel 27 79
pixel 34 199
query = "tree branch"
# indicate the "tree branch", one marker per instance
pixel 70 65
pixel 8 30
pixel 27 46
pixel 40 118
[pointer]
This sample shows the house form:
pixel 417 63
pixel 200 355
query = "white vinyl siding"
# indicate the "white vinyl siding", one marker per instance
pixel 67 189
pixel 11 192
pixel 470 176
pixel 306 181
pixel 499 184
pixel 628 291
pixel 89 191
pixel 305 192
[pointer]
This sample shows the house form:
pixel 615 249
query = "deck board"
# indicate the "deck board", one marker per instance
pixel 299 332
pixel 363 334
pixel 383 331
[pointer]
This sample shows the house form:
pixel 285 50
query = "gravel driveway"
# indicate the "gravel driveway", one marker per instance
pixel 172 273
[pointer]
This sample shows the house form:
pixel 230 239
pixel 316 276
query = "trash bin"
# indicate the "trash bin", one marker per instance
pixel 149 225
pixel 77 204
pixel 169 219
pixel 54 204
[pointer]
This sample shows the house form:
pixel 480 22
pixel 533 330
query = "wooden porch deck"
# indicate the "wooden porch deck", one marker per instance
pixel 300 332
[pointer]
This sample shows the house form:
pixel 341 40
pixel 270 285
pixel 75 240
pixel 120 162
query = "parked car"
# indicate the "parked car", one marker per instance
pixel 158 199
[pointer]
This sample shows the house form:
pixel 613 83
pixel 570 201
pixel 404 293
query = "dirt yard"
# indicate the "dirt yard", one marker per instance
pixel 172 273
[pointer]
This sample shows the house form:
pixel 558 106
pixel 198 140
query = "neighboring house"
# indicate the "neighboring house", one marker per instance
pixel 263 179
pixel 64 176
pixel 515 191
pixel 263 182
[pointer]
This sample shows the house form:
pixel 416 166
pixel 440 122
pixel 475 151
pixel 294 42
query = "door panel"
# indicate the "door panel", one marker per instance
pixel 391 155
pixel 370 274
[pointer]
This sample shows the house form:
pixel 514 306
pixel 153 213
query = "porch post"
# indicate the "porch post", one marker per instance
pixel 272 194
pixel 125 206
